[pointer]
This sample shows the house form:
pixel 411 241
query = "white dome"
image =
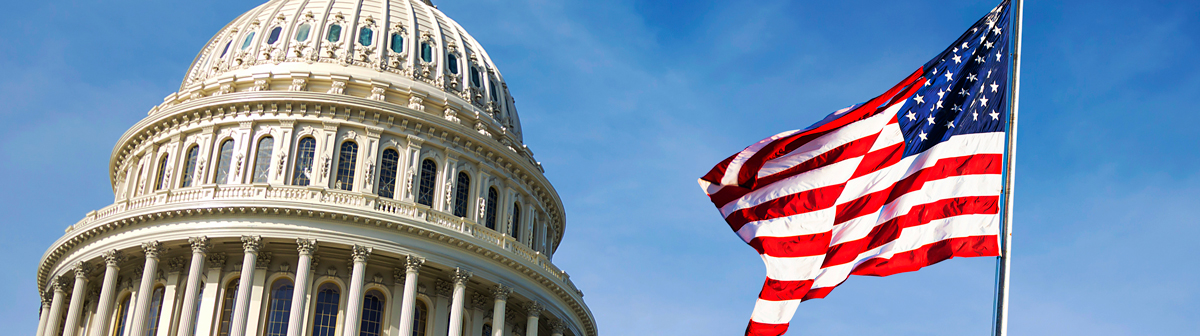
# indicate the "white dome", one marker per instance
pixel 403 45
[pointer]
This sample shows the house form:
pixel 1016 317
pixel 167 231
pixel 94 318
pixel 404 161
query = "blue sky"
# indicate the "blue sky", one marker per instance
pixel 627 102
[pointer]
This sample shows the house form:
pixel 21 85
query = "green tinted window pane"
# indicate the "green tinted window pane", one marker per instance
pixel 335 33
pixel 365 36
pixel 475 77
pixel 397 43
pixel 426 52
pixel 246 43
pixel 302 32
pixel 452 63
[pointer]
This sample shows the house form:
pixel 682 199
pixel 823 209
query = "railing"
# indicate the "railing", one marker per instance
pixel 399 208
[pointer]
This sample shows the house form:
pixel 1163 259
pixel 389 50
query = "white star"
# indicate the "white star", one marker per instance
pixel 949 75
pixel 941 94
pixel 956 108
pixel 974 30
pixel 962 92
pixel 964 45
pixel 972 77
pixel 922 136
pixel 983 100
pixel 955 50
pixel 935 71
pixel 930 119
pixel 957 59
pixel 996 30
pixel 995 116
pixel 919 99
pixel 994 86
pixel 987 44
pixel 911 116
pixel 975 116
pixel 928 81
pixel 989 74
pixel 998 56
pixel 979 59
pixel 939 103
pixel 950 125
pixel 982 38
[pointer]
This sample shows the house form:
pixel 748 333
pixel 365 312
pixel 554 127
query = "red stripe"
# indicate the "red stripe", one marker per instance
pixel 790 247
pixel 922 214
pixel 714 175
pixel 849 150
pixel 787 205
pixel 785 145
pixel 782 290
pixel 974 246
pixel 765 329
pixel 977 164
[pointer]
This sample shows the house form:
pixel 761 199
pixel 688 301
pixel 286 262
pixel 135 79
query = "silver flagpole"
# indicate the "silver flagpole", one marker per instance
pixel 1009 178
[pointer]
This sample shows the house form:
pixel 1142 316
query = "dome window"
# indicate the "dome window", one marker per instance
pixel 426 52
pixel 494 88
pixel 397 42
pixel 365 36
pixel 334 34
pixel 274 37
pixel 452 63
pixel 227 44
pixel 246 42
pixel 475 81
pixel 302 32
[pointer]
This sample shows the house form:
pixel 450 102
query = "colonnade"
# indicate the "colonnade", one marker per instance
pixel 188 324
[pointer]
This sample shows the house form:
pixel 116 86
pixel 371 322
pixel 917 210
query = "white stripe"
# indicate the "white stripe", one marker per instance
pixel 833 174
pixel 956 146
pixel 774 312
pixel 793 268
pixel 932 191
pixel 912 238
pixel 795 225
pixel 735 165
pixel 851 132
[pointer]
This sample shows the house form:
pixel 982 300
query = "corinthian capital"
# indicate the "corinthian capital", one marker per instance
pixel 501 292
pixel 306 246
pixel 199 244
pixel 360 253
pixel 534 309
pixel 251 243
pixel 413 263
pixel 557 326
pixel 461 276
pixel 112 257
pixel 153 249
pixel 58 284
pixel 81 270
pixel 216 260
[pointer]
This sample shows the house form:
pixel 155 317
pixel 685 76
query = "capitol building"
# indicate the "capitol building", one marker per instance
pixel 327 168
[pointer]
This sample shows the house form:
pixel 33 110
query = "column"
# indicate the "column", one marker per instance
pixel 250 244
pixel 170 294
pixel 442 290
pixel 142 309
pixel 208 300
pixel 108 292
pixel 479 303
pixel 258 290
pixel 397 303
pixel 411 268
pixel 501 293
pixel 531 326
pixel 71 327
pixel 456 304
pixel 306 248
pixel 187 316
pixel 354 302
pixel 45 316
pixel 56 307
pixel 556 328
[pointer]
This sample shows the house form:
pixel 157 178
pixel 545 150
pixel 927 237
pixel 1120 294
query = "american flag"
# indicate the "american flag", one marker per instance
pixel 905 180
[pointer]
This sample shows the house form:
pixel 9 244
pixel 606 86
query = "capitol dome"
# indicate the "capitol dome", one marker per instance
pixel 327 168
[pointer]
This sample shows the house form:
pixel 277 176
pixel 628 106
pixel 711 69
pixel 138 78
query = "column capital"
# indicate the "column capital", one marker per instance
pixel 262 260
pixel 534 309
pixel 480 301
pixel 176 264
pixel 413 263
pixel 360 253
pixel 501 292
pixel 557 327
pixel 153 249
pixel 216 260
pixel 58 284
pixel 398 275
pixel 251 244
pixel 112 257
pixel 46 302
pixel 81 270
pixel 442 287
pixel 306 246
pixel 461 276
pixel 199 244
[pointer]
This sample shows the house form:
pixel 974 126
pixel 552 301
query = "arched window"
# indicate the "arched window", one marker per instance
pixel 397 43
pixel 122 314
pixel 487 329
pixel 302 32
pixel 452 63
pixel 156 303
pixel 516 221
pixel 226 155
pixel 387 173
pixel 227 300
pixel 189 166
pixel 262 159
pixel 426 52
pixel 366 36
pixel 162 172
pixel 489 214
pixel 462 190
pixel 304 160
pixel 326 310
pixel 246 42
pixel 428 174
pixel 420 314
pixel 345 171
pixel 372 314
pixel 274 37
pixel 280 309
pixel 334 34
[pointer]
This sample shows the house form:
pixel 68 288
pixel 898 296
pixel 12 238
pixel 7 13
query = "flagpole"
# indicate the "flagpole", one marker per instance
pixel 1002 282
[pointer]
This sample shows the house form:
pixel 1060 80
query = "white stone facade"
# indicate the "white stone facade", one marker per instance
pixel 322 181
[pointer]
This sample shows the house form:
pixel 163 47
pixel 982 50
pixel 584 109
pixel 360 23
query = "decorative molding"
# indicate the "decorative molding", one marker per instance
pixel 534 309
pixel 262 260
pixel 82 269
pixel 479 300
pixel 360 253
pixel 501 292
pixel 461 276
pixel 152 249
pixel 251 244
pixel 199 244
pixel 306 246
pixel 442 288
pixel 112 258
pixel 176 264
pixel 215 260
pixel 413 263
pixel 557 327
